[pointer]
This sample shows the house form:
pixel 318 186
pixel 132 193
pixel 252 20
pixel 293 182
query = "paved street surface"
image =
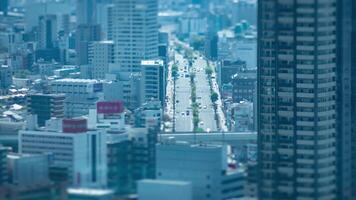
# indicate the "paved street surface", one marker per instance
pixel 183 112
pixel 178 107
pixel 206 110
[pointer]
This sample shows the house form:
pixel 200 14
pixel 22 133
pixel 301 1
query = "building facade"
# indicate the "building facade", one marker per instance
pixel 46 106
pixel 153 84
pixel 100 56
pixel 81 94
pixel 204 165
pixel 81 151
pixel 135 32
pixel 297 122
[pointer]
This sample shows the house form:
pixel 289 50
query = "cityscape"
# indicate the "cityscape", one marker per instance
pixel 177 99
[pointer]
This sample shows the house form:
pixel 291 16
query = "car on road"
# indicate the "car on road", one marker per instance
pixel 205 107
pixel 187 112
pixel 177 101
pixel 201 123
pixel 182 113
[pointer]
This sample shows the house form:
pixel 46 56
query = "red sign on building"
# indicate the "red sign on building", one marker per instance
pixel 112 107
pixel 74 125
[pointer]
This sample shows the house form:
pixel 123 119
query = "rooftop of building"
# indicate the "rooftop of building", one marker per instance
pixel 48 95
pixel 152 62
pixel 75 80
pixel 106 42
pixel 165 182
pixel 89 191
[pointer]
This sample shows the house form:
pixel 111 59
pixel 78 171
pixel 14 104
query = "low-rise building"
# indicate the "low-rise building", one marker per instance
pixel 164 189
pixel 73 146
pixel 206 166
pixel 81 94
pixel 46 106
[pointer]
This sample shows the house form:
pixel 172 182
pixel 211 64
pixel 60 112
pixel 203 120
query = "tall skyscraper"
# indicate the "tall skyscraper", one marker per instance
pixel 344 106
pixel 86 11
pixel 352 5
pixel 4 4
pixel 298 124
pixel 135 32
pixel 47 33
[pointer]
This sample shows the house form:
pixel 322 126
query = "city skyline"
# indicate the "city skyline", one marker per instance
pixel 184 99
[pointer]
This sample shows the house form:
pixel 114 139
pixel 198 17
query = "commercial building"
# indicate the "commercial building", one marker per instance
pixel 46 106
pixel 150 114
pixel 131 157
pixel 29 179
pixel 5 79
pixel 206 166
pixel 153 81
pixel 100 56
pixel 4 176
pixel 134 32
pixel 173 190
pixel 85 34
pixel 81 94
pixel 243 10
pixel 244 86
pixel 299 140
pixel 86 11
pixel 28 169
pixel 226 69
pixel 241 116
pixel 4 6
pixel 73 146
pixel 47 31
pixel 351 7
pixel 108 115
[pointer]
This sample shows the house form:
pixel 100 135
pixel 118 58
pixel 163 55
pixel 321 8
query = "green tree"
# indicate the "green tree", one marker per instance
pixel 214 97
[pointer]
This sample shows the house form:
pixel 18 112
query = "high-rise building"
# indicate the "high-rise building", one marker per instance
pixel 352 41
pixel 47 31
pixel 153 81
pixel 86 11
pixel 100 56
pixel 4 4
pixel 344 112
pixel 131 157
pixel 135 32
pixel 299 137
pixel 3 165
pixel 5 78
pixel 46 106
pixel 85 34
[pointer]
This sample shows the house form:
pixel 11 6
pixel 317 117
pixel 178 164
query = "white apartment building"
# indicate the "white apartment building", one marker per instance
pixel 100 56
pixel 134 30
pixel 72 145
